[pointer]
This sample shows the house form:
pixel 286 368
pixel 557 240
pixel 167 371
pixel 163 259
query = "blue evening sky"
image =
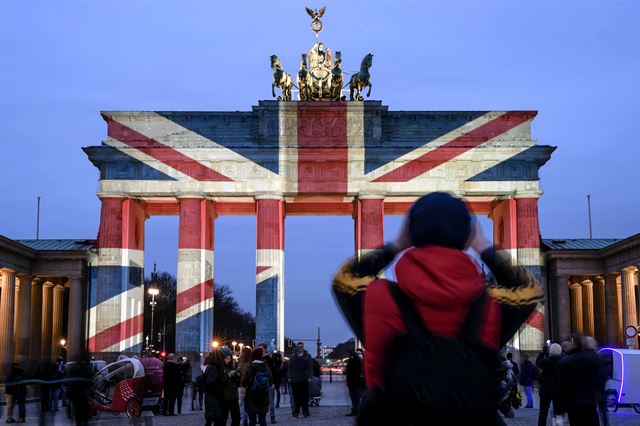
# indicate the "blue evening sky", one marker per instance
pixel 576 62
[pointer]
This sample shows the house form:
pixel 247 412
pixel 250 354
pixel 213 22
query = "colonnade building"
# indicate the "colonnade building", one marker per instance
pixel 592 287
pixel 43 298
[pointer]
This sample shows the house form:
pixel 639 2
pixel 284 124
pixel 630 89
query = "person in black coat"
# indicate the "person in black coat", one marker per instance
pixel 172 381
pixel 581 380
pixel 277 375
pixel 16 393
pixel 355 382
pixel 548 361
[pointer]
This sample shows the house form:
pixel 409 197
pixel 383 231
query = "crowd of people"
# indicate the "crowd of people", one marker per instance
pixel 247 389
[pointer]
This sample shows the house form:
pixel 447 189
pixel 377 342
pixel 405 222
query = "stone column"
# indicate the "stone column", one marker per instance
pixel 118 291
pixel 576 308
pixel 22 319
pixel 194 300
pixel 599 310
pixel 75 324
pixel 35 320
pixel 369 223
pixel 270 270
pixel 620 323
pixel 56 331
pixel 7 312
pixel 629 304
pixel 587 307
pixel 47 321
pixel 613 337
pixel 562 308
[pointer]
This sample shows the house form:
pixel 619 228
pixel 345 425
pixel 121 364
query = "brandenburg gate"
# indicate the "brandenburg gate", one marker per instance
pixel 321 155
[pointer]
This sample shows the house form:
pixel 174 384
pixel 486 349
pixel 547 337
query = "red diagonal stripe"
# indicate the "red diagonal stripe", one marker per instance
pixel 169 156
pixel 536 320
pixel 456 147
pixel 194 295
pixel 261 269
pixel 116 333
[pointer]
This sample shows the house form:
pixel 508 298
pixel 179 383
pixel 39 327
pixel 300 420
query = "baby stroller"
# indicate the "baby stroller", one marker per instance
pixel 315 391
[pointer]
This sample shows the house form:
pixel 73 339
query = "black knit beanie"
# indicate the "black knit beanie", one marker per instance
pixel 440 219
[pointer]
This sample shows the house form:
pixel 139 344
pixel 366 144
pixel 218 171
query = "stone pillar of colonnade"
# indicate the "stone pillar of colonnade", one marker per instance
pixel 270 214
pixel 612 336
pixel 516 232
pixel 75 324
pixel 561 308
pixel 587 307
pixel 47 321
pixel 577 318
pixel 7 312
pixel 629 304
pixel 115 314
pixel 23 313
pixel 599 310
pixel 194 300
pixel 35 320
pixel 57 318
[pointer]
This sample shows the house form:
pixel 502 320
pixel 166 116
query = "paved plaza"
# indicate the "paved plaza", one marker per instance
pixel 333 407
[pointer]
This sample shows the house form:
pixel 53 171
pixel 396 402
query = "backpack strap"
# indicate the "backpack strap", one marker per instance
pixel 418 329
pixel 412 319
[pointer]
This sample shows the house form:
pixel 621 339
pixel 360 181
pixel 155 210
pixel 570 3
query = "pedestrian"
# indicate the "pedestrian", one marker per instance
pixel 516 369
pixel 527 373
pixel 507 385
pixel 15 393
pixel 230 382
pixel 548 361
pixel 56 388
pixel 214 389
pixel 172 380
pixel 182 370
pixel 197 392
pixel 244 361
pixel 257 380
pixel 581 380
pixel 440 297
pixel 277 375
pixel 81 375
pixel 268 360
pixel 300 371
pixel 355 384
pixel 285 375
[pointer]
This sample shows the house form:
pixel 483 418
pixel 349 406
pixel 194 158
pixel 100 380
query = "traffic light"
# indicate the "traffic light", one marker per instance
pixel 163 355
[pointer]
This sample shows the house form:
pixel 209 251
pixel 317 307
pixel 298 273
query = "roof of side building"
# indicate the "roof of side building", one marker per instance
pixel 59 245
pixel 579 243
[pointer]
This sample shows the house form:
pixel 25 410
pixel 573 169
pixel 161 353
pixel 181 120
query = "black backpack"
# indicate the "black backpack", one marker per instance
pixel 434 380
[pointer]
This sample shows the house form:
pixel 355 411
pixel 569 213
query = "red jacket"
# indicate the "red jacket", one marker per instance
pixel 443 283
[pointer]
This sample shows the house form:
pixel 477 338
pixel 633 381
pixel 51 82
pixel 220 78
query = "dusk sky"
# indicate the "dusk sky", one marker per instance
pixel 576 62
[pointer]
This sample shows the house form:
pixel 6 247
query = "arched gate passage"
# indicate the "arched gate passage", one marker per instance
pixel 293 158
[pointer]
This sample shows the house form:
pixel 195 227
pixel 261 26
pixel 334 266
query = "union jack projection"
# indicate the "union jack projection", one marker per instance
pixel 286 158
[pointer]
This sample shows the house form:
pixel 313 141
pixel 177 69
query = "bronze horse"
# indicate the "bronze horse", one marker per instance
pixel 303 79
pixel 280 79
pixel 336 78
pixel 361 80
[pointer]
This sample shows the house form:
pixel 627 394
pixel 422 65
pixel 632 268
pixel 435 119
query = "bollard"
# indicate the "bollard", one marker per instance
pixel 330 376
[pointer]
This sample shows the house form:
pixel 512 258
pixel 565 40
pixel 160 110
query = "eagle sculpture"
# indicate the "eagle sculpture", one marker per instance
pixel 316 14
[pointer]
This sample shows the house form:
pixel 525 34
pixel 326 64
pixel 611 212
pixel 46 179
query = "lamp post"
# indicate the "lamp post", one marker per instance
pixel 153 292
pixel 63 348
pixel 234 343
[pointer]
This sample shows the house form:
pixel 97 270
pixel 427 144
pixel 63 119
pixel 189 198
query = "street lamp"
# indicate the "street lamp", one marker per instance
pixel 153 292
pixel 215 344
pixel 234 346
pixel 63 347
pixel 241 346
